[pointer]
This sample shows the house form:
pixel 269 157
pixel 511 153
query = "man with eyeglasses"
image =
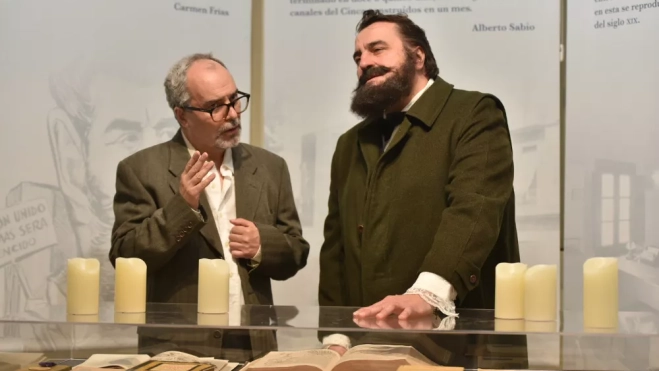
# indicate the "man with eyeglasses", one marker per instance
pixel 204 194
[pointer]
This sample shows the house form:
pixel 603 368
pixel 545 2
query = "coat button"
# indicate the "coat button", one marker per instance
pixel 217 334
pixel 473 279
pixel 360 228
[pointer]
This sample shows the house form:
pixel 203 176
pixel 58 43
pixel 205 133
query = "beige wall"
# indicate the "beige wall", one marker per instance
pixel 256 122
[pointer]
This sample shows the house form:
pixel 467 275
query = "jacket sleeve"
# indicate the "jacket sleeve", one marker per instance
pixel 480 185
pixel 141 229
pixel 283 249
pixel 332 286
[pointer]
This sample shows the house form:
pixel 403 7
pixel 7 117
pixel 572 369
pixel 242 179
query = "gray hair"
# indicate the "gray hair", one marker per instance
pixel 176 81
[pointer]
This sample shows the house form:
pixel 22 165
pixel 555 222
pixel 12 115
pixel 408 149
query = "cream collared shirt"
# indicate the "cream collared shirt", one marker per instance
pixel 221 195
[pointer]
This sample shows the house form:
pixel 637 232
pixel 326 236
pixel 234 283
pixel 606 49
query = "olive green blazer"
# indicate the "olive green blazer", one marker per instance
pixel 153 222
pixel 440 199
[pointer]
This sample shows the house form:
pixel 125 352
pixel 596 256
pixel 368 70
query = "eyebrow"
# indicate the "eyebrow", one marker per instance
pixel 208 103
pixel 370 45
pixel 124 125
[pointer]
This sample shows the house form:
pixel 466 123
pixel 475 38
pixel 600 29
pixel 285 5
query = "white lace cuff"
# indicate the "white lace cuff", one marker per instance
pixel 447 307
pixel 446 324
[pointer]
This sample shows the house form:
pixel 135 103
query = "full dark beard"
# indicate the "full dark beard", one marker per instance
pixel 374 100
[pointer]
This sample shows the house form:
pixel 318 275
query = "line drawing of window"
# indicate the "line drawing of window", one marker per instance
pixel 615 205
pixel 613 195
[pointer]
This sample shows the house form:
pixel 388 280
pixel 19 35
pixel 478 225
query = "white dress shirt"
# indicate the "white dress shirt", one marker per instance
pixel 221 195
pixel 426 282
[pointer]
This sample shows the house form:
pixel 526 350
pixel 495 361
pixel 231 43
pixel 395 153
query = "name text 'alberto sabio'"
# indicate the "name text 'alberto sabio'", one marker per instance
pixel 502 27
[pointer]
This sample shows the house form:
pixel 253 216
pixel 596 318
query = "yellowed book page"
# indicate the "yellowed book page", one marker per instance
pixel 380 358
pixel 312 360
pixel 386 352
pixel 124 361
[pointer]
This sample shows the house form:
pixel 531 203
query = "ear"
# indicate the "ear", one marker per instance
pixel 420 58
pixel 69 157
pixel 180 117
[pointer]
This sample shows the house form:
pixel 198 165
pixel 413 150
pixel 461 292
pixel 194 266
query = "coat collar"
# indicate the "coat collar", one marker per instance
pixel 431 103
pixel 424 111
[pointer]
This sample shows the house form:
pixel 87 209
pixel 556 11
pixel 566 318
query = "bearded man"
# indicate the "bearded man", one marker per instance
pixel 421 205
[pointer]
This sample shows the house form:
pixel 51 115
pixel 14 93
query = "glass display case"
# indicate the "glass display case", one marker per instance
pixel 474 340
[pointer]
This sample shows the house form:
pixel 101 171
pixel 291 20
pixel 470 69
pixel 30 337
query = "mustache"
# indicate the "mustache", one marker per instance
pixel 229 125
pixel 372 72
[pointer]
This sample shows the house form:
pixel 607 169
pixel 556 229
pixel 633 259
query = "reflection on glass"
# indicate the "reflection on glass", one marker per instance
pixel 540 326
pixel 212 319
pixel 132 318
pixel 82 318
pixel 593 330
pixel 421 323
pixel 508 325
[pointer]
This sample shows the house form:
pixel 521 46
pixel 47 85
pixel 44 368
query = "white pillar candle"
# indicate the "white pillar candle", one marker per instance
pixel 213 290
pixel 540 293
pixel 509 291
pixel 82 286
pixel 600 293
pixel 130 285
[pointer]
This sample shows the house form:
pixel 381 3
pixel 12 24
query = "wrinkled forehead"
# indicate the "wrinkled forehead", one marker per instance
pixel 380 32
pixel 208 80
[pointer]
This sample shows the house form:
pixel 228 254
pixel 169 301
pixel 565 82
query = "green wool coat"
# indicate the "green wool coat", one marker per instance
pixel 440 199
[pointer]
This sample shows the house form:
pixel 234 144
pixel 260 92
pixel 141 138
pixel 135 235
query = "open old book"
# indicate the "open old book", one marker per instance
pixel 115 361
pixel 360 358
pixel 173 359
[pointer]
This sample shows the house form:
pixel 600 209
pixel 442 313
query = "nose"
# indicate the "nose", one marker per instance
pixel 232 114
pixel 364 64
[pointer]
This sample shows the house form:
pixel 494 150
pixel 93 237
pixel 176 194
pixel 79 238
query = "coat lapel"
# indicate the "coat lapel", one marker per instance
pixel 399 134
pixel 248 194
pixel 248 184
pixel 179 157
pixel 370 143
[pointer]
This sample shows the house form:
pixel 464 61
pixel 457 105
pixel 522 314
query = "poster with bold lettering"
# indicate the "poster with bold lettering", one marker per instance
pixel 82 88
pixel 507 48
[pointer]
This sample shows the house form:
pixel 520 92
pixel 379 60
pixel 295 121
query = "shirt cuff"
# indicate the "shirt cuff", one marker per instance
pixel 436 291
pixel 256 260
pixel 336 339
pixel 198 213
pixel 435 284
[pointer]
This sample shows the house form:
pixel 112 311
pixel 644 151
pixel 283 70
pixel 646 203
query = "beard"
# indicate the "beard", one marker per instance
pixel 368 101
pixel 222 142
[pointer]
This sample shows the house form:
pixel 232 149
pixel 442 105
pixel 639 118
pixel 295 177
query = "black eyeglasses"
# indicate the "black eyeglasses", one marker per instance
pixel 220 111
